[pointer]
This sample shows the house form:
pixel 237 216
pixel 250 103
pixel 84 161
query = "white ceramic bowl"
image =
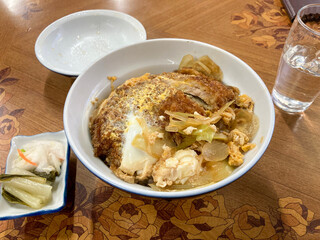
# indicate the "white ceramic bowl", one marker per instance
pixel 156 56
pixel 59 191
pixel 70 44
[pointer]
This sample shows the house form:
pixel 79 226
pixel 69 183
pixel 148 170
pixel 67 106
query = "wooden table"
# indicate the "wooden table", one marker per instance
pixel 278 199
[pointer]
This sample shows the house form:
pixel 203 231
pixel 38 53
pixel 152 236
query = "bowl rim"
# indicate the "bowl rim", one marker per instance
pixel 189 192
pixel 74 16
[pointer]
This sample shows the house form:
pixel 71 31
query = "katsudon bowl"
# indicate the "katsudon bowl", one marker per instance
pixel 157 56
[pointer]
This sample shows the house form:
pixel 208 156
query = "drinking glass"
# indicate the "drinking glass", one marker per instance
pixel 298 79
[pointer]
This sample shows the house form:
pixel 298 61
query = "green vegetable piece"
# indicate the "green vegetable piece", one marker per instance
pixel 10 198
pixel 204 132
pixel 221 137
pixel 8 177
pixel 29 199
pixel 49 176
pixel 186 142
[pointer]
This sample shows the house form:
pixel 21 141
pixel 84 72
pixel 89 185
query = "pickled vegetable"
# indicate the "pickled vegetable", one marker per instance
pixel 34 170
pixel 29 190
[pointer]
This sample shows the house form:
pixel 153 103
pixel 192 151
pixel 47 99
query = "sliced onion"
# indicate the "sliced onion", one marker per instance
pixel 139 142
pixel 214 172
pixel 215 151
pixel 215 70
pixel 246 122
pixel 187 61
pixel 219 170
pixel 155 150
pixel 201 67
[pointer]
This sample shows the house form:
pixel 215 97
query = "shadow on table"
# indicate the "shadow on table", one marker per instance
pixel 299 120
pixel 292 120
pixel 303 128
pixel 57 87
pixel 71 187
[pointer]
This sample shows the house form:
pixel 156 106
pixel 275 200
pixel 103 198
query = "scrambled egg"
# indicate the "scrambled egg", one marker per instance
pixel 228 116
pixel 238 140
pixel 176 169
pixel 244 101
pixel 238 137
pixel 235 155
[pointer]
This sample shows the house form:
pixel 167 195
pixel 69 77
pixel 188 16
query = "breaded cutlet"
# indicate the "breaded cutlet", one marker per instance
pixel 148 97
pixel 213 93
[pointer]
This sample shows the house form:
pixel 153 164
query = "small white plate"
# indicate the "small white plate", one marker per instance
pixel 59 194
pixel 70 44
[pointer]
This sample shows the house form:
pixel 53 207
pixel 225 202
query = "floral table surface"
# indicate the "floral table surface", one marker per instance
pixel 278 199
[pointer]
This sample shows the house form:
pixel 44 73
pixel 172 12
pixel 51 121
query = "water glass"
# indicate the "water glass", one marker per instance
pixel 298 79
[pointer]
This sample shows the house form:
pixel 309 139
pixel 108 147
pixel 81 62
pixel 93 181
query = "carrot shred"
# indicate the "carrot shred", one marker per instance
pixel 26 159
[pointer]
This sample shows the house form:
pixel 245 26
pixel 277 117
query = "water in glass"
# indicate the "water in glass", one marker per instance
pixel 298 79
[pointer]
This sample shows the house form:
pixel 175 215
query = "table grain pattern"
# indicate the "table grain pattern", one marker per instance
pixel 278 199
